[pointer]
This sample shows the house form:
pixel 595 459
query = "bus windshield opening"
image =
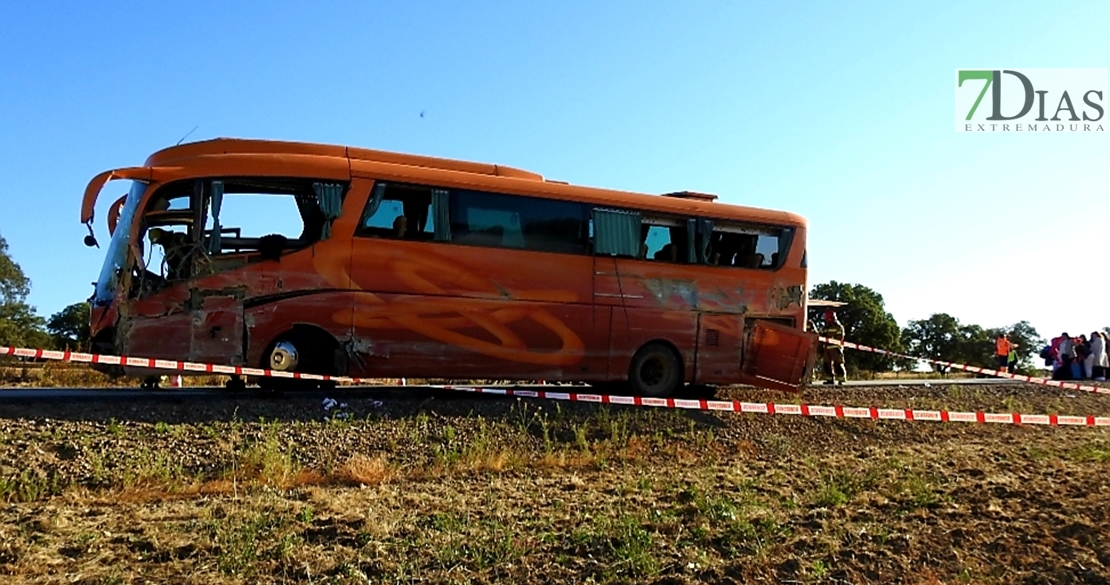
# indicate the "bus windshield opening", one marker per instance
pixel 107 284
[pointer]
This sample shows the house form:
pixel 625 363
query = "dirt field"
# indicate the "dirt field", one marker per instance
pixel 435 489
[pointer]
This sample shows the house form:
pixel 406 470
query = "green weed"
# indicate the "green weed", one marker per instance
pixel 268 461
pixel 1095 450
pixel 30 485
pixel 242 542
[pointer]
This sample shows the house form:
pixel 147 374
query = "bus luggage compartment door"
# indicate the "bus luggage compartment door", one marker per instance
pixel 778 357
pixel 719 345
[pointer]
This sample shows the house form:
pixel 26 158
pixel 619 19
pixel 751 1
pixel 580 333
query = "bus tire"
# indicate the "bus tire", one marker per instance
pixel 655 371
pixel 317 351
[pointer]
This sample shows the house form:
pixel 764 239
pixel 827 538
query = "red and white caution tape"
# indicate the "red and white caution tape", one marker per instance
pixel 976 369
pixel 157 364
pixel 872 412
pixel 838 411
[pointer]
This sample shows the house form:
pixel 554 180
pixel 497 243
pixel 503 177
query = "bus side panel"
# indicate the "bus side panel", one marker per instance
pixel 218 331
pixel 609 313
pixel 457 338
pixel 678 328
pixel 178 324
pixel 660 301
pixel 606 284
pixel 158 326
pixel 161 337
pixel 442 310
pixel 620 345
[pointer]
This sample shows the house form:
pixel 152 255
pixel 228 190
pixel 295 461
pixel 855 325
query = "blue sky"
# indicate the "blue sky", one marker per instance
pixel 841 112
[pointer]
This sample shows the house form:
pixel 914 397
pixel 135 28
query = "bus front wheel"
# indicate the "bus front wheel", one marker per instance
pixel 656 371
pixel 304 350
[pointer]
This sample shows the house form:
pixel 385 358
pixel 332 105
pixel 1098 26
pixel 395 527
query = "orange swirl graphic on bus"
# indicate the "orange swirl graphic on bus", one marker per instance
pixel 440 314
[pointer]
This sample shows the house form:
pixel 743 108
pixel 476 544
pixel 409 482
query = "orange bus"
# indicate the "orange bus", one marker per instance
pixel 395 265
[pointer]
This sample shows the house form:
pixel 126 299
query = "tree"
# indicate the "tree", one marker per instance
pixel 935 338
pixel 942 337
pixel 70 327
pixel 865 321
pixel 19 325
pixel 976 347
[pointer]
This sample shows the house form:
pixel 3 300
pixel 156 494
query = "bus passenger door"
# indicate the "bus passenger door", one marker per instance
pixel 776 356
pixel 610 313
pixel 719 345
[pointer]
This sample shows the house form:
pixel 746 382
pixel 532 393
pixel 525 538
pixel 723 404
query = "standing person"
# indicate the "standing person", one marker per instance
pixel 834 349
pixel 1065 353
pixel 1099 360
pixel 1082 352
pixel 1002 348
pixel 1048 354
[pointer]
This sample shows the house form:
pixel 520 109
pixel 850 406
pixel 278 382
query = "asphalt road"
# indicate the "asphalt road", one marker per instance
pixel 343 392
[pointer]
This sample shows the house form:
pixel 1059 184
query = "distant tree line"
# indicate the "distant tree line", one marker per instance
pixel 20 326
pixel 941 337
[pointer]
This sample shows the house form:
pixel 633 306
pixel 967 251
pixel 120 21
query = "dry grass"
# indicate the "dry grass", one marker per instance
pixel 74 375
pixel 526 492
pixel 364 470
pixel 54 374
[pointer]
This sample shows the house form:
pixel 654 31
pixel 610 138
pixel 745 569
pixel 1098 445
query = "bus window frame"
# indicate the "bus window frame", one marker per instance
pixel 786 235
pixel 649 220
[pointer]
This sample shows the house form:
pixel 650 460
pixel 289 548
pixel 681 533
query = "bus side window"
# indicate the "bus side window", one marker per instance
pixel 617 233
pixel 524 223
pixel 741 246
pixel 399 212
pixel 664 240
pixel 267 216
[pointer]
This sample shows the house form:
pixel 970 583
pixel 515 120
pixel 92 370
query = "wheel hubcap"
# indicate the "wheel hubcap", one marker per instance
pixel 654 372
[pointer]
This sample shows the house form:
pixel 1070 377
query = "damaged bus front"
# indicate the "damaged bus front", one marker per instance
pixel 188 252
pixel 120 256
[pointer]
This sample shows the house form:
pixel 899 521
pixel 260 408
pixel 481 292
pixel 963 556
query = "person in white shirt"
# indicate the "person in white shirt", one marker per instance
pixel 1097 361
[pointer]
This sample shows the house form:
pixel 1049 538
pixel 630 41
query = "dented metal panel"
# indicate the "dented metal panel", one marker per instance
pixel 778 356
pixel 217 323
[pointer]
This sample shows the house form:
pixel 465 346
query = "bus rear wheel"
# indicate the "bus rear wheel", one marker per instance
pixel 655 371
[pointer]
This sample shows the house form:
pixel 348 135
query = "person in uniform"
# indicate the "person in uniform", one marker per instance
pixel 833 355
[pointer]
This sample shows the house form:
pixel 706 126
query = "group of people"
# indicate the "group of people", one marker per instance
pixel 1070 358
pixel 1077 358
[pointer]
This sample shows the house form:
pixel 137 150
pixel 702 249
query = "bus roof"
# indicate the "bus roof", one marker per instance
pixel 484 174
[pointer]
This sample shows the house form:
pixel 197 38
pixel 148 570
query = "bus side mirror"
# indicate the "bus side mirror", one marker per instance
pixel 90 240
